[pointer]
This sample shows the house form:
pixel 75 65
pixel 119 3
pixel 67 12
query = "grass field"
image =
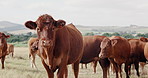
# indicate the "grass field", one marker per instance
pixel 19 67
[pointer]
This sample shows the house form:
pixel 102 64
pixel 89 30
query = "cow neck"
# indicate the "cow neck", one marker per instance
pixel 49 53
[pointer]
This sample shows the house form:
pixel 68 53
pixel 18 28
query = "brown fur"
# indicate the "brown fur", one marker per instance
pixel 10 49
pixel 33 50
pixel 146 51
pixel 3 47
pixel 91 53
pixel 58 45
pixel 117 49
pixel 137 52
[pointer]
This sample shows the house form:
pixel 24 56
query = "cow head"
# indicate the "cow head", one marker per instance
pixel 3 39
pixel 143 39
pixel 107 46
pixel 46 28
pixel 34 46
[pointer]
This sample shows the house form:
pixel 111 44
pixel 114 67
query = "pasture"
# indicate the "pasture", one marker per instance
pixel 19 67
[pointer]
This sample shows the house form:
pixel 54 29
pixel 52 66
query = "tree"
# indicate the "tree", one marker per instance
pixel 127 36
pixel 89 34
pixel 115 34
pixel 107 34
pixel 140 35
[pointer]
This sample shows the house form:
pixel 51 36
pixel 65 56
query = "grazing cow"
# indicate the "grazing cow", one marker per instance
pixel 91 52
pixel 10 49
pixel 33 50
pixel 117 49
pixel 3 47
pixel 137 53
pixel 59 45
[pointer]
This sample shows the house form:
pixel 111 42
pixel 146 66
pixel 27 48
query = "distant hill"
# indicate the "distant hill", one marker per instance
pixel 6 26
pixel 9 26
pixel 20 29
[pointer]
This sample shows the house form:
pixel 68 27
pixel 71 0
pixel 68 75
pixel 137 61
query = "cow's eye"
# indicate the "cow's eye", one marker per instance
pixel 38 29
pixel 52 29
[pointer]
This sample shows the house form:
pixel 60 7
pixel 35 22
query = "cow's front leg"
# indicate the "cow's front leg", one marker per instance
pixel 63 68
pixel 49 72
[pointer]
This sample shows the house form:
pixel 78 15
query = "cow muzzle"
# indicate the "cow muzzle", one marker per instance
pixel 101 56
pixel 47 43
pixel 1 46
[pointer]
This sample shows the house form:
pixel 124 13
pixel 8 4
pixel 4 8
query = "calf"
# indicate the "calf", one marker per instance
pixel 10 49
pixel 33 50
pixel 3 47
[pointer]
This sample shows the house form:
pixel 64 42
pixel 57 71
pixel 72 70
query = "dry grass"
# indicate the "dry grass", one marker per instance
pixel 19 67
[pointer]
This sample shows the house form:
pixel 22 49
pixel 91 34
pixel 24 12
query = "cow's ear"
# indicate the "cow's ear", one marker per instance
pixel 59 23
pixel 114 42
pixel 31 25
pixel 7 36
pixel 143 39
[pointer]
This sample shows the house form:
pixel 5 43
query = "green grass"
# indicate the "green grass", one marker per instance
pixel 19 67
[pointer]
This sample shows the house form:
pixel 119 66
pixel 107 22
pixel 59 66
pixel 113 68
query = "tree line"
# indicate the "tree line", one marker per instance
pixel 20 37
pixel 125 35
pixel 25 37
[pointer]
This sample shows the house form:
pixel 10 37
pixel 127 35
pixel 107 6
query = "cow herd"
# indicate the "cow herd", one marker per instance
pixel 59 45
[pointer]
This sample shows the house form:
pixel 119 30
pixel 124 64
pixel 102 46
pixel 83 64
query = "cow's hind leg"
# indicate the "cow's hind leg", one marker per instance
pixel 120 70
pixel 105 63
pixel 116 67
pixel 95 65
pixel 75 67
pixel 126 68
pixel 2 61
pixel 137 68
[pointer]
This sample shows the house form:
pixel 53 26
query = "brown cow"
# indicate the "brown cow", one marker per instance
pixel 33 50
pixel 59 45
pixel 3 47
pixel 91 53
pixel 117 49
pixel 10 49
pixel 137 53
pixel 146 51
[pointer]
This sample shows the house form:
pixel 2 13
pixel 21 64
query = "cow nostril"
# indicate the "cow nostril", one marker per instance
pixel 100 55
pixel 44 41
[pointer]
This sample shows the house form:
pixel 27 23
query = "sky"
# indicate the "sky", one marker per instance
pixel 78 12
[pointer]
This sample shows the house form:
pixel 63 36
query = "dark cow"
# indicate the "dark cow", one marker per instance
pixel 3 47
pixel 91 53
pixel 33 50
pixel 59 45
pixel 10 49
pixel 137 53
pixel 118 50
